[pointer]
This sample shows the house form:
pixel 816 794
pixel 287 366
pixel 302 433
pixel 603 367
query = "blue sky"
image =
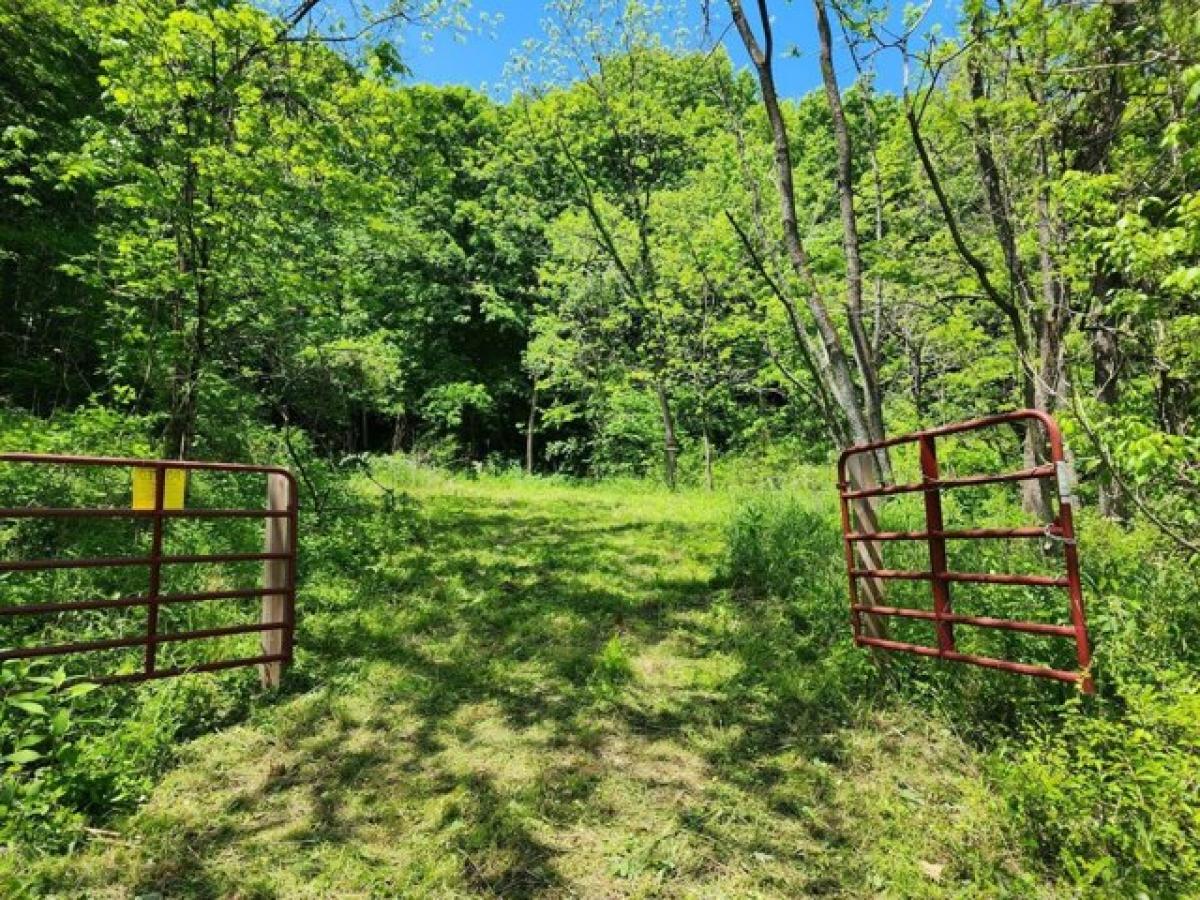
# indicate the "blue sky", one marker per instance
pixel 478 59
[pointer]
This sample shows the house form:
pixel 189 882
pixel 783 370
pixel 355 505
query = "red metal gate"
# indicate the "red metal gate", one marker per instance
pixel 942 615
pixel 278 591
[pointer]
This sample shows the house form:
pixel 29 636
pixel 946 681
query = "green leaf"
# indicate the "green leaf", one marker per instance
pixel 34 709
pixel 24 757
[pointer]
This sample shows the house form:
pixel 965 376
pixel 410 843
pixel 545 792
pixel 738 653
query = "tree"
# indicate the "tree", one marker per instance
pixel 1031 124
pixel 211 153
pixel 621 137
pixel 862 344
pixel 830 361
pixel 48 318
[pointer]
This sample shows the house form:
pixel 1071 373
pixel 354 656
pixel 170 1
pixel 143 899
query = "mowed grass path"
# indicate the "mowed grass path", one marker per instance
pixel 549 692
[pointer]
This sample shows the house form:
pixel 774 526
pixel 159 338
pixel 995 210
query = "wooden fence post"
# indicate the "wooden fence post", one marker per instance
pixel 275 577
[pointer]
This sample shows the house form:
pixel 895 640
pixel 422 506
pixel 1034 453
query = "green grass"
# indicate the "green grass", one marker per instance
pixel 548 690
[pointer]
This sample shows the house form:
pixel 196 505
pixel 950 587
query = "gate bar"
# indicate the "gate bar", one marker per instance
pixel 961 481
pixel 68 459
pixel 121 602
pixel 981 621
pixel 101 562
pixel 988 662
pixel 971 577
pixel 148 640
pixel 112 512
pixel 967 533
pixel 215 666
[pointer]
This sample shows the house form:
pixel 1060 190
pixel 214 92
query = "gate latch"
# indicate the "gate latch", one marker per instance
pixel 1066 481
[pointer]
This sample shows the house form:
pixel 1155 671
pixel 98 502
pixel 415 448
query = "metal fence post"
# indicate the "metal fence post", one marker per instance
pixel 155 587
pixel 935 529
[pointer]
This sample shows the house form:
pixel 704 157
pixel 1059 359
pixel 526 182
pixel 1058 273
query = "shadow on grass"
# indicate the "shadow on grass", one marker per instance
pixel 509 606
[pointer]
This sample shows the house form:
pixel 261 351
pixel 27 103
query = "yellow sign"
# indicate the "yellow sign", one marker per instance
pixel 143 488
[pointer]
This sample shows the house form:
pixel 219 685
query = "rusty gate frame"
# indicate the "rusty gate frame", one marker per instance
pixel 154 599
pixel 1062 529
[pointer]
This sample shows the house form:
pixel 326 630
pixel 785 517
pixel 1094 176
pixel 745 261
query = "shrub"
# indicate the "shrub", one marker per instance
pixel 611 668
pixel 1111 795
pixel 775 543
pixel 1110 788
pixel 39 738
pixel 71 755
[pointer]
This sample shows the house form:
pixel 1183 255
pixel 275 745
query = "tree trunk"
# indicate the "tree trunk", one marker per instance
pixel 916 370
pixel 1106 381
pixel 530 425
pixel 1052 327
pixel 864 356
pixel 865 519
pixel 670 448
pixel 180 429
pixel 708 457
pixel 191 261
pixel 398 430
pixel 837 369
pixel 815 362
pixel 1106 358
pixel 773 278
pixel 1037 334
pixel 1036 493
pixel 181 416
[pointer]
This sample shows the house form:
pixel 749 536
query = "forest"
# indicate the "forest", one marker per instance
pixel 563 368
